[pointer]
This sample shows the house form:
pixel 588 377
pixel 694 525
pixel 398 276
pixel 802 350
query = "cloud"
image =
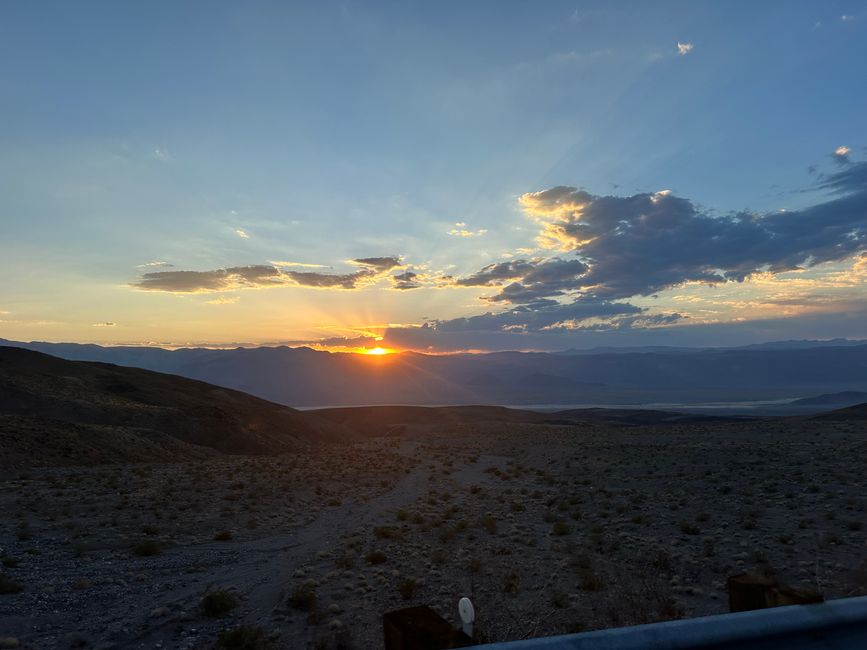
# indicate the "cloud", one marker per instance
pixel 106 324
pixel 495 274
pixel 224 300
pixel 405 280
pixel 682 334
pixel 544 279
pixel 263 276
pixel 539 316
pixel 461 230
pixel 242 233
pixel 379 263
pixel 236 277
pixel 684 48
pixel 156 264
pixel 299 264
pixel 638 245
pixel 842 151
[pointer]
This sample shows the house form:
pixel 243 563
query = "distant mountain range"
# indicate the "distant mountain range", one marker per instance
pixel 794 344
pixel 59 412
pixel 306 377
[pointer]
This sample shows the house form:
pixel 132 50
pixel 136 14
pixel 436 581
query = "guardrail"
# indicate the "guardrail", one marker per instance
pixel 832 625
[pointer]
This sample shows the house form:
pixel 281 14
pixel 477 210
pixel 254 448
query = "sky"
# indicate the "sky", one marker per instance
pixel 454 176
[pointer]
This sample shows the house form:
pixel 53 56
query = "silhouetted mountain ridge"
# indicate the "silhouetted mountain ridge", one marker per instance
pixel 306 377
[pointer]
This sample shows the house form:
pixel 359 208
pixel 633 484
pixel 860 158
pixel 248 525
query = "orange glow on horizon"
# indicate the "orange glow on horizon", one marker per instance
pixel 378 351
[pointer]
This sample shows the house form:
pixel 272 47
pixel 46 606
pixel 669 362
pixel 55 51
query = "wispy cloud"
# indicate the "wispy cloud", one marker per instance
pixel 243 234
pixel 684 48
pixel 461 230
pixel 224 300
pixel 106 324
pixel 262 276
pixel 155 264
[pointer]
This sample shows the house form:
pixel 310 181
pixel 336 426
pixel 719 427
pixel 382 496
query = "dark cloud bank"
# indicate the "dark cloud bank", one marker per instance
pixel 616 248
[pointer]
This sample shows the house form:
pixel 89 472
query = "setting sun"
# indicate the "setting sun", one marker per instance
pixel 377 351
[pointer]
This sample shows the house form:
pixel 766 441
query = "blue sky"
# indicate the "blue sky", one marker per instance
pixel 142 141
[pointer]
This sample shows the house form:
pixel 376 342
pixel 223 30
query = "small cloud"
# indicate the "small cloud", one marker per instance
pixel 242 233
pixel 300 264
pixel 405 280
pixel 380 264
pixel 847 18
pixel 154 264
pixel 224 300
pixel 106 324
pixel 842 151
pixel 161 154
pixel 684 48
pixel 461 230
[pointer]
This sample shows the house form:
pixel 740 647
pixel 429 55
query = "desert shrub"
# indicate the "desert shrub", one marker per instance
pixel 512 582
pixel 223 536
pixel 854 525
pixel 303 598
pixel 589 580
pixel 9 586
pixel 219 603
pixel 561 528
pixel 375 557
pixel 344 561
pixel 474 565
pixel 559 599
pixel 243 637
pixel 10 562
pixel 689 529
pixel 24 532
pixel 489 523
pixel 709 547
pixel 147 548
pixel 150 530
pixel 407 588
pixel 662 560
pixel 386 532
pixel 402 515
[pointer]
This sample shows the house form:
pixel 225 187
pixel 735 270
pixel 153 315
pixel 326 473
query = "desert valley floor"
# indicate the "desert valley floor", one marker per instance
pixel 548 528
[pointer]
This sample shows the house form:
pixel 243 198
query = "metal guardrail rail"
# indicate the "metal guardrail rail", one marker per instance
pixel 832 625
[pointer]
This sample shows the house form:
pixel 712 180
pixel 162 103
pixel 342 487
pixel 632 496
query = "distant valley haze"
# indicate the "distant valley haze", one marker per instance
pixel 303 377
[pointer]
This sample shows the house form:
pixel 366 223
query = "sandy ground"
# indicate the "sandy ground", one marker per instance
pixel 548 529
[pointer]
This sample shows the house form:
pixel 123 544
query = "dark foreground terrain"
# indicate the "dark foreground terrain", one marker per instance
pixel 548 528
pixel 550 523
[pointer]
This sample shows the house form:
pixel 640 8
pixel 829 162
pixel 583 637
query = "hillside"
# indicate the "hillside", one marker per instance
pixel 55 410
pixel 855 413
